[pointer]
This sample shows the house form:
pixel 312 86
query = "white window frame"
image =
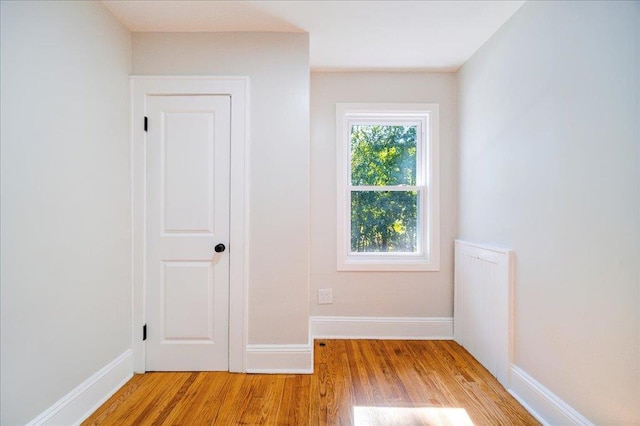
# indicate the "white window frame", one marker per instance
pixel 426 116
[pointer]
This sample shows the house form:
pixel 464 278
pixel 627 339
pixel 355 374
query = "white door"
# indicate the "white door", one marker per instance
pixel 187 229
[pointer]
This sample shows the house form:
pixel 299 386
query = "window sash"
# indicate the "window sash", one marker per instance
pixel 386 188
pixel 421 139
pixel 422 228
pixel 421 163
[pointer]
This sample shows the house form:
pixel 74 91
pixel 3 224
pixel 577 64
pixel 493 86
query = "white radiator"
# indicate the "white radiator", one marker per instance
pixel 483 306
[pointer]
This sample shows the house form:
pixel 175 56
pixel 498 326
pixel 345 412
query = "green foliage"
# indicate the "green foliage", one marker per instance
pixel 383 221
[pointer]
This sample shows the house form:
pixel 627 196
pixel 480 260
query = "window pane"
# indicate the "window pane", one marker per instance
pixel 384 221
pixel 383 155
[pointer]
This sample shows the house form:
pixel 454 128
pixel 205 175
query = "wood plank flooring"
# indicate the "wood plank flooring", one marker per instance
pixel 356 382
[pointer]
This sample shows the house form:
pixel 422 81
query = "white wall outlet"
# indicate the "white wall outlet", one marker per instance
pixel 325 296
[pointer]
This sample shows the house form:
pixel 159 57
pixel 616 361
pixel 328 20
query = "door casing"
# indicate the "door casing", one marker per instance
pixel 238 89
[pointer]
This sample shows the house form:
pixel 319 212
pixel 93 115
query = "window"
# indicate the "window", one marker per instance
pixel 387 176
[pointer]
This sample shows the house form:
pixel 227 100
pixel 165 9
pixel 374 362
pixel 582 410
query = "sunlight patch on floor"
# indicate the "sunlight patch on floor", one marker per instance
pixel 436 416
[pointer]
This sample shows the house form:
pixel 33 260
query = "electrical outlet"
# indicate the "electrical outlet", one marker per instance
pixel 325 296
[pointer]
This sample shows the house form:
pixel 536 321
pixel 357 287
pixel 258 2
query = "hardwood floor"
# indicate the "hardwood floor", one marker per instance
pixel 364 382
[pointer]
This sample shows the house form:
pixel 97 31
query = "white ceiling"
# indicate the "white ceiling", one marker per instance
pixel 344 35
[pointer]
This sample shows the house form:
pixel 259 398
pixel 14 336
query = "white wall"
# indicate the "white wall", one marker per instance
pixel 278 67
pixel 65 280
pixel 549 159
pixel 378 294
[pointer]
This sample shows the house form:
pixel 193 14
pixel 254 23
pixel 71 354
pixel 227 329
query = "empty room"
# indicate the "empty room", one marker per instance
pixel 319 212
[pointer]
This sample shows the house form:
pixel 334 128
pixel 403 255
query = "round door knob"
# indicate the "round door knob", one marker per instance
pixel 219 248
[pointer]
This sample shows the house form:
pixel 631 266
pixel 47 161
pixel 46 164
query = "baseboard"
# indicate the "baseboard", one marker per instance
pixel 541 402
pixel 280 359
pixel 402 328
pixel 81 402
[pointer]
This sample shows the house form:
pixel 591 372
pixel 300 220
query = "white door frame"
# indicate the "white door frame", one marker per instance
pixel 238 89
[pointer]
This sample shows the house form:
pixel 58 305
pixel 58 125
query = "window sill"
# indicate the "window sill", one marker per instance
pixel 373 263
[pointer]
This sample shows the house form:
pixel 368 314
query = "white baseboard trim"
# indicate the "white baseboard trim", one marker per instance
pixel 402 328
pixel 280 359
pixel 546 407
pixel 82 401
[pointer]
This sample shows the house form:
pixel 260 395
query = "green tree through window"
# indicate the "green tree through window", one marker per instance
pixel 384 217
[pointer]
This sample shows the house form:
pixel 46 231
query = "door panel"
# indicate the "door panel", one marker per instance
pixel 187 288
pixel 188 144
pixel 189 200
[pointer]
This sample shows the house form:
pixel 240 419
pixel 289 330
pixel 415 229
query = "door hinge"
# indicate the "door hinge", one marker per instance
pixel 144 332
pixel 146 122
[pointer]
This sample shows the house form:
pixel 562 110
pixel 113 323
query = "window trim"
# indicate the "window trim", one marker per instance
pixel 429 257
